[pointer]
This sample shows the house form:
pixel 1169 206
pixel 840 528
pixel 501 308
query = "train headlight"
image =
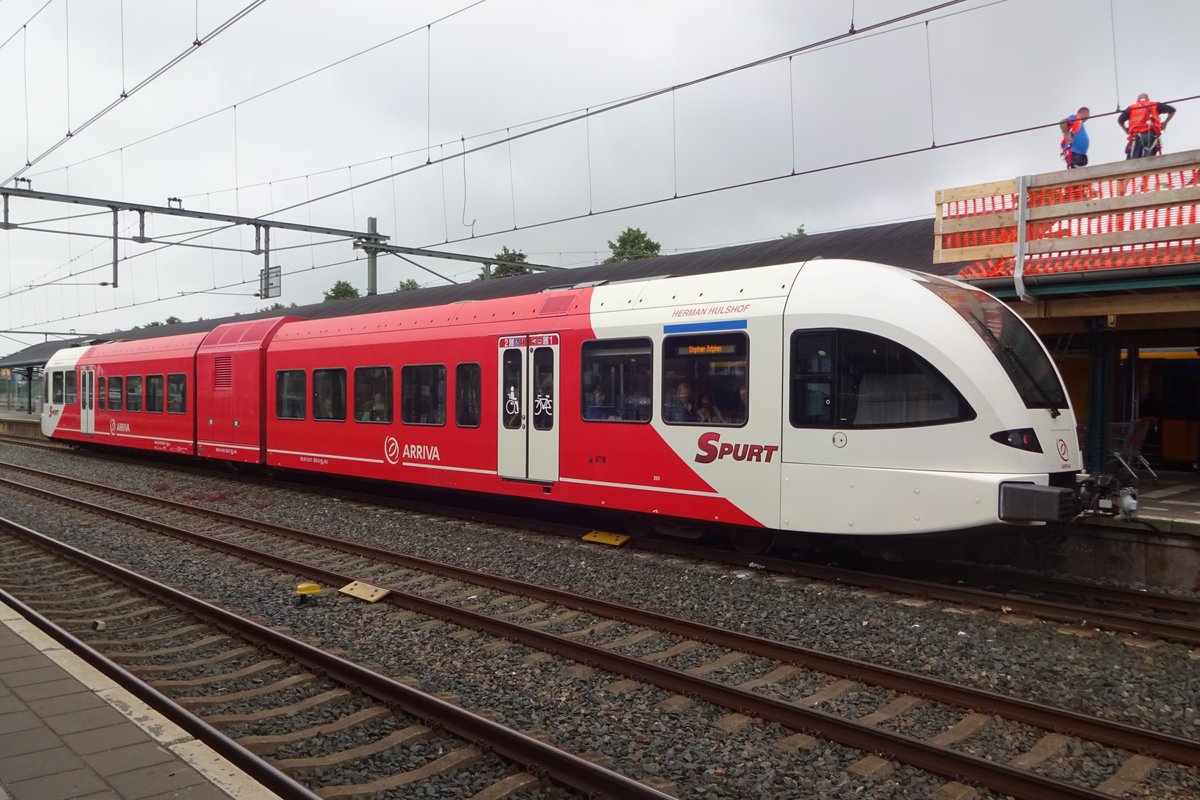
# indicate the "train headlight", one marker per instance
pixel 1020 438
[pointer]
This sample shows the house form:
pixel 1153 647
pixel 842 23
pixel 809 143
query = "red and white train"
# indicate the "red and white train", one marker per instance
pixel 825 397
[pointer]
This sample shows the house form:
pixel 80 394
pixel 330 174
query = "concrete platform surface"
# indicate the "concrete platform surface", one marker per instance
pixel 67 731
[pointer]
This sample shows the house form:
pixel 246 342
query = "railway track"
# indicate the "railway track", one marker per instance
pixel 225 678
pixel 1167 617
pixel 1183 628
pixel 639 644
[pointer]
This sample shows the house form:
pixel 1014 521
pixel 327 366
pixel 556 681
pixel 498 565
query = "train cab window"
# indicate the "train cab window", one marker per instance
pixel 290 394
pixel 69 397
pixel 133 393
pixel 154 394
pixel 617 380
pixel 852 379
pixel 56 390
pixel 1010 339
pixel 177 393
pixel 373 394
pixel 116 389
pixel 101 395
pixel 329 394
pixel 706 379
pixel 423 395
pixel 467 382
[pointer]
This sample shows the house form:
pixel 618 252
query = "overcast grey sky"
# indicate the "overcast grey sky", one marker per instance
pixel 470 73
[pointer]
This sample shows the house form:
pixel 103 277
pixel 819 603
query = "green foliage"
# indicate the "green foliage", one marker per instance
pixel 632 244
pixel 171 320
pixel 408 285
pixel 490 271
pixel 798 234
pixel 342 290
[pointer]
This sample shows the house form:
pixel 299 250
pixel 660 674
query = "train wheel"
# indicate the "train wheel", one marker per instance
pixel 752 542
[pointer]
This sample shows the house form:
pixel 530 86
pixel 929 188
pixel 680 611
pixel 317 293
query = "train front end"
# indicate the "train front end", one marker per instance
pixel 918 404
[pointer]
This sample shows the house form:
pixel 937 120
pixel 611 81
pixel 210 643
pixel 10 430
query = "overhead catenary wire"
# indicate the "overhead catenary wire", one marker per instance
pixel 25 75
pixel 127 93
pixel 658 93
pixel 697 193
pixel 707 191
pixel 271 90
pixel 866 33
pixel 25 24
pixel 1112 28
pixel 685 196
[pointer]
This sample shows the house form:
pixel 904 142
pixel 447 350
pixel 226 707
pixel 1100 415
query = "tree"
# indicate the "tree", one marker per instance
pixel 408 285
pixel 171 320
pixel 632 244
pixel 798 234
pixel 342 290
pixel 504 270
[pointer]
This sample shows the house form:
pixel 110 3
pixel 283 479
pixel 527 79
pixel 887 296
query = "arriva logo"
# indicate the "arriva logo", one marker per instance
pixel 712 449
pixel 115 427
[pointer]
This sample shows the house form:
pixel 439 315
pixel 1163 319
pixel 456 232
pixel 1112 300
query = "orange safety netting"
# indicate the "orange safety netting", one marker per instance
pixel 1156 254
pixel 1140 255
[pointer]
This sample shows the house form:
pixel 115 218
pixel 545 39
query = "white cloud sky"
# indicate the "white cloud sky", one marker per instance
pixel 512 65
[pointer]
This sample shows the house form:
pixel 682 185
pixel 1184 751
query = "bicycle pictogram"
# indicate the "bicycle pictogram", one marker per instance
pixel 543 404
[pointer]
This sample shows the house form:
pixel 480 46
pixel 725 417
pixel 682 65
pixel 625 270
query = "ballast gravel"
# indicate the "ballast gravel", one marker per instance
pixel 1098 675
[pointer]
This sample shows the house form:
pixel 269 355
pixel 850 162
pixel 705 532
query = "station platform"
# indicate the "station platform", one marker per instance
pixel 67 731
pixel 18 423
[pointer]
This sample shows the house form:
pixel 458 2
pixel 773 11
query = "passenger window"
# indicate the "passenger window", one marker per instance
pixel 70 390
pixel 100 394
pixel 513 388
pixel 852 379
pixel 133 393
pixel 290 394
pixel 618 380
pixel 154 393
pixel 373 394
pixel 467 382
pixel 543 395
pixel 56 393
pixel 329 394
pixel 115 391
pixel 706 379
pixel 423 393
pixel 177 394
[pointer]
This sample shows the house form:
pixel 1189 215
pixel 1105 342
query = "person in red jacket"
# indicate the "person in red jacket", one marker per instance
pixel 1144 123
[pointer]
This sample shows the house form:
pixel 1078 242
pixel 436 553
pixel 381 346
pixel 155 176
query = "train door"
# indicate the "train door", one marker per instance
pixel 527 436
pixel 87 400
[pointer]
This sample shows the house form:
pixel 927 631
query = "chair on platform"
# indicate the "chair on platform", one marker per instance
pixel 1129 454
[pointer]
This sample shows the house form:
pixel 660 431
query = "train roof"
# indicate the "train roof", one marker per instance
pixel 902 244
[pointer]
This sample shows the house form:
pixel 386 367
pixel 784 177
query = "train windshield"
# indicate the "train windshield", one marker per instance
pixel 1014 345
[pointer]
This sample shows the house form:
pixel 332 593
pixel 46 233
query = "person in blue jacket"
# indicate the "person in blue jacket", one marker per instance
pixel 1075 138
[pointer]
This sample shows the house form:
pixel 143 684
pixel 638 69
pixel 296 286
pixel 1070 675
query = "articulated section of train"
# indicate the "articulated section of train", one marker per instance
pixel 829 397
